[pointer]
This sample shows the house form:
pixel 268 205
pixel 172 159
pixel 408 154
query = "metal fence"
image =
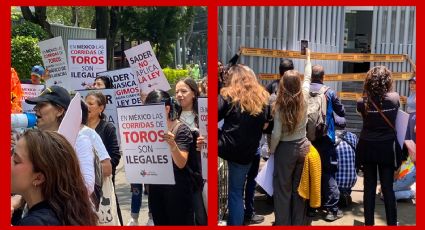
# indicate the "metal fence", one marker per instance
pixel 222 188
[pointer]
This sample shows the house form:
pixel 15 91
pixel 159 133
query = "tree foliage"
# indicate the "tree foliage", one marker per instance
pixel 25 54
pixel 80 16
pixel 159 25
pixel 29 29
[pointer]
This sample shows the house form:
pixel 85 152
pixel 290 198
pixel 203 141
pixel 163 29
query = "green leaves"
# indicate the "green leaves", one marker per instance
pixel 25 54
pixel 29 29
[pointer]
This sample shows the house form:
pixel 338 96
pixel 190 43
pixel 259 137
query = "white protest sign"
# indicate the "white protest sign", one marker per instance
pixel 85 59
pixel 401 123
pixel 146 68
pixel 54 60
pixel 147 157
pixel 110 108
pixel 71 122
pixel 127 88
pixel 30 91
pixel 203 131
pixel 265 176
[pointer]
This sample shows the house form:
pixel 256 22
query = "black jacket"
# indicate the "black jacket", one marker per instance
pixel 106 131
pixel 240 135
pixel 40 214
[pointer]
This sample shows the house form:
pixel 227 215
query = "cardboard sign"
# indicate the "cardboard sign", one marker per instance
pixel 126 85
pixel 146 68
pixel 54 60
pixel 203 131
pixel 85 59
pixel 30 91
pixel 110 108
pixel 147 156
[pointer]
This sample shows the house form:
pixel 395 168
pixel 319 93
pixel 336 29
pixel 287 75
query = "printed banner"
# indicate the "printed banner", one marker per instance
pixel 111 106
pixel 147 157
pixel 203 131
pixel 54 60
pixel 127 88
pixel 30 91
pixel 85 58
pixel 146 68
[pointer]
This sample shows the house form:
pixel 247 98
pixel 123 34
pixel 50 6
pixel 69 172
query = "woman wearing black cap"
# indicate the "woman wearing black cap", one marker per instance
pixel 50 108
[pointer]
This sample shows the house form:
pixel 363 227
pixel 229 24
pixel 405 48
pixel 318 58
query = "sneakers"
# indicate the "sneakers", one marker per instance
pixel 133 222
pixel 254 219
pixel 332 216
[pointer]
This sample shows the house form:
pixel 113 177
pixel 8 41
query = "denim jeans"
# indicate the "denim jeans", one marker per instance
pixel 402 186
pixel 250 186
pixel 136 199
pixel 237 177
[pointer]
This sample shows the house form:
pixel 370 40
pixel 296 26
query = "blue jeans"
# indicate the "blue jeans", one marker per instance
pixel 237 177
pixel 402 186
pixel 136 199
pixel 250 186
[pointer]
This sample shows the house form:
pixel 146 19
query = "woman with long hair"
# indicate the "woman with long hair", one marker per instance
pixel 54 195
pixel 173 204
pixel 290 145
pixel 187 94
pixel 241 104
pixel 375 150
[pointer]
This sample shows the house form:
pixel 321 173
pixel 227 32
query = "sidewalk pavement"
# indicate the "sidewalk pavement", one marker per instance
pixel 353 215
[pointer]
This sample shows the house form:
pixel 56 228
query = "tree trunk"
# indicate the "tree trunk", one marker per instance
pixel 74 16
pixel 39 17
pixel 113 30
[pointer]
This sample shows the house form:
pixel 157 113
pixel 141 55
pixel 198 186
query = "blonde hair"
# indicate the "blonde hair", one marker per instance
pixel 290 101
pixel 243 88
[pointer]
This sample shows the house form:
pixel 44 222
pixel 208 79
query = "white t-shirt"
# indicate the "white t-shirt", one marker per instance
pixel 83 148
pixel 96 141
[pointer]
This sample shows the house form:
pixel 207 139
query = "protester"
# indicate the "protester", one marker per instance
pixel 203 87
pixel 290 145
pixel 103 82
pixel 50 109
pixel 325 144
pixel 411 100
pixel 36 74
pixel 96 103
pixel 375 150
pixel 36 173
pixel 241 105
pixel 284 65
pixel 173 204
pixel 346 176
pixel 187 95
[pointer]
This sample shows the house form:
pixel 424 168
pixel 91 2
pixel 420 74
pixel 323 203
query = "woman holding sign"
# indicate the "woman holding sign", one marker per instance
pixel 173 204
pixel 187 94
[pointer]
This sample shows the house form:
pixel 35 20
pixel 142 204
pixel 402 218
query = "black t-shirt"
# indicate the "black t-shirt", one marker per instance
pixel 40 214
pixel 241 132
pixel 184 140
pixel 375 128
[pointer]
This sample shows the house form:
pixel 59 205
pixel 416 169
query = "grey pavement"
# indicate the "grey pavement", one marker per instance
pixel 353 216
pixel 123 191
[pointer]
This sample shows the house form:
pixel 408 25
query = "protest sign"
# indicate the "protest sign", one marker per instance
pixel 85 58
pixel 127 87
pixel 54 60
pixel 146 68
pixel 110 108
pixel 30 91
pixel 147 157
pixel 203 131
pixel 71 122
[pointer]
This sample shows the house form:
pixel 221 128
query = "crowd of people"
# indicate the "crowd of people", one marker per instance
pixel 292 118
pixel 58 183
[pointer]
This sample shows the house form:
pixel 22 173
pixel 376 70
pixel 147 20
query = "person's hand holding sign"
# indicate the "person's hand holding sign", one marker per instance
pixel 179 156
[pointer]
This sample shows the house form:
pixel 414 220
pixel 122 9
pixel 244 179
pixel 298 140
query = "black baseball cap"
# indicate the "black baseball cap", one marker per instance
pixel 53 94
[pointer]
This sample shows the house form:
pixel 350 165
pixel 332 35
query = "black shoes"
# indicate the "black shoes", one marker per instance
pixel 254 219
